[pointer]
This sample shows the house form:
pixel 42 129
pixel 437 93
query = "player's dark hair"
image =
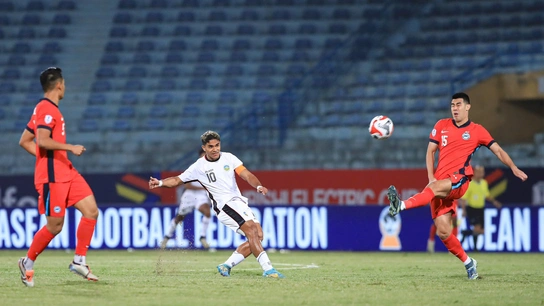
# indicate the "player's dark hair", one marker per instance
pixel 49 78
pixel 461 95
pixel 209 135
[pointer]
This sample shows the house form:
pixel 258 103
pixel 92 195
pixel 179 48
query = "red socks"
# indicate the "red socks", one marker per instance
pixel 454 246
pixel 421 199
pixel 39 243
pixel 432 232
pixel 84 235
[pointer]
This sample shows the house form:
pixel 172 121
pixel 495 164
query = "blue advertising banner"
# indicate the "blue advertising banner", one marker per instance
pixel 356 228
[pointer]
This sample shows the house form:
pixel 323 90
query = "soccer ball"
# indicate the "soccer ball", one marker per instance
pixel 381 127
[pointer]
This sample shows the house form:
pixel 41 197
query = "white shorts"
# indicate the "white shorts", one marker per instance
pixel 235 213
pixel 191 201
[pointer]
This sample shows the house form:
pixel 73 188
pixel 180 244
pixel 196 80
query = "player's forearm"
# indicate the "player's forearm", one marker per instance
pixel 429 160
pixel 50 144
pixel 30 147
pixel 253 181
pixel 170 182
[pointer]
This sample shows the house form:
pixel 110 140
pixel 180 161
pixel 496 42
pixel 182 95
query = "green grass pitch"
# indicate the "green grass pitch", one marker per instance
pixel 179 277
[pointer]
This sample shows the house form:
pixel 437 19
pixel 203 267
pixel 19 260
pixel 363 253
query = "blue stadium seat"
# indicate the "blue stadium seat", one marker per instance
pixel 249 14
pixel 166 84
pixel 341 14
pixel 311 14
pixel 201 71
pixel 245 29
pixel 126 112
pixel 190 111
pixel 122 125
pixel 62 19
pixel 186 16
pixel 182 30
pixel 241 44
pixel 35 6
pixel 56 33
pixel 266 70
pixel 173 58
pixel 21 47
pixel 153 125
pixel 47 60
pixel 213 30
pixel 417 106
pixel 177 45
pixel 133 85
pixel 170 72
pixel 277 29
pixel 231 84
pixel 145 46
pixel 4 20
pixel 307 28
pixel 337 28
pixel 26 33
pixel 270 56
pixel 281 14
pixel 137 72
pixel 209 45
pixel 115 46
pixel 300 56
pixel 96 99
pixel 217 16
pixel 238 57
pixel 105 72
pixel 332 121
pixel 141 58
pixel 25 112
pixel 228 97
pixel 101 86
pixel 11 74
pixel 51 47
pixel 162 98
pixel 194 97
pixel 190 3
pixel 129 98
pixel 31 20
pixel 158 4
pixel 273 44
pixel 7 6
pixel 66 5
pixel 217 3
pixel 198 84
pixel 303 43
pixel 87 125
pixel 150 31
pixel 186 124
pixel 285 2
pixel 122 18
pixel 234 70
pixel 416 118
pixel 127 4
pixel 154 17
pixel 109 59
pixel 93 112
pixel 296 69
pixel 158 111
pixel 264 83
pixel 205 57
pixel 7 87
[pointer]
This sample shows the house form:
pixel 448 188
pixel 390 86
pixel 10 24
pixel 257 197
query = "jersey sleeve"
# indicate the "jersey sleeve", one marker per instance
pixel 30 124
pixel 484 138
pixel 46 117
pixel 434 137
pixel 235 161
pixel 189 174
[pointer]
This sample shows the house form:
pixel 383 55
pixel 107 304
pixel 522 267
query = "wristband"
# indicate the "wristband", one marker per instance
pixel 160 183
pixel 259 187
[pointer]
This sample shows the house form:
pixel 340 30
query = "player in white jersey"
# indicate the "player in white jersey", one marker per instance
pixel 192 196
pixel 216 173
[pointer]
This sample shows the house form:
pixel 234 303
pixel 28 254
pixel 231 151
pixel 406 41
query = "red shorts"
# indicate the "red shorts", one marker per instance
pixel 459 185
pixel 54 198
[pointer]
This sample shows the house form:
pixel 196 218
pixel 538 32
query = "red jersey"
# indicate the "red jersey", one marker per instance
pixel 52 166
pixel 456 146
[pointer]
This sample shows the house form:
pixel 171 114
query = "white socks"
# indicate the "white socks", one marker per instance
pixel 204 228
pixel 79 259
pixel 468 261
pixel 235 259
pixel 264 261
pixel 402 205
pixel 28 263
pixel 172 229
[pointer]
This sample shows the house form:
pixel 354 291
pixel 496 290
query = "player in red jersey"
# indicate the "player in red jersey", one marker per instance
pixel 58 183
pixel 457 140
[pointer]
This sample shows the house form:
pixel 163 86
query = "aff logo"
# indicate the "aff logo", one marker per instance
pixel 390 229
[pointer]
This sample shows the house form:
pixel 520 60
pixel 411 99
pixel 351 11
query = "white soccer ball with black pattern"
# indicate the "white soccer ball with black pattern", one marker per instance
pixel 381 127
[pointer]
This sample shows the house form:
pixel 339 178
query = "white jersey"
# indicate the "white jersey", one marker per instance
pixel 218 177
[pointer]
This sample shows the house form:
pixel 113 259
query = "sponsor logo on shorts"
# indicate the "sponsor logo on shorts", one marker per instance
pixel 466 136
pixel 226 167
pixel 56 209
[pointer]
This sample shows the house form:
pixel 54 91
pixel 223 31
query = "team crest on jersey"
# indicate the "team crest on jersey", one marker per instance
pixel 48 119
pixel 466 136
pixel 226 167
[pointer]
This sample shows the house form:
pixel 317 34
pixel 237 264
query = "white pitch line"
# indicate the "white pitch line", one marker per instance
pixel 289 267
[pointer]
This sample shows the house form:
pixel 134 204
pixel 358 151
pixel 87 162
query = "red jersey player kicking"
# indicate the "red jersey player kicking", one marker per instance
pixel 58 183
pixel 457 140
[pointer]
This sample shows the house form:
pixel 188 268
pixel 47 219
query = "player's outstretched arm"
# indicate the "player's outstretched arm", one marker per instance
pixel 46 142
pixel 27 142
pixel 253 181
pixel 169 182
pixel 429 160
pixel 505 159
